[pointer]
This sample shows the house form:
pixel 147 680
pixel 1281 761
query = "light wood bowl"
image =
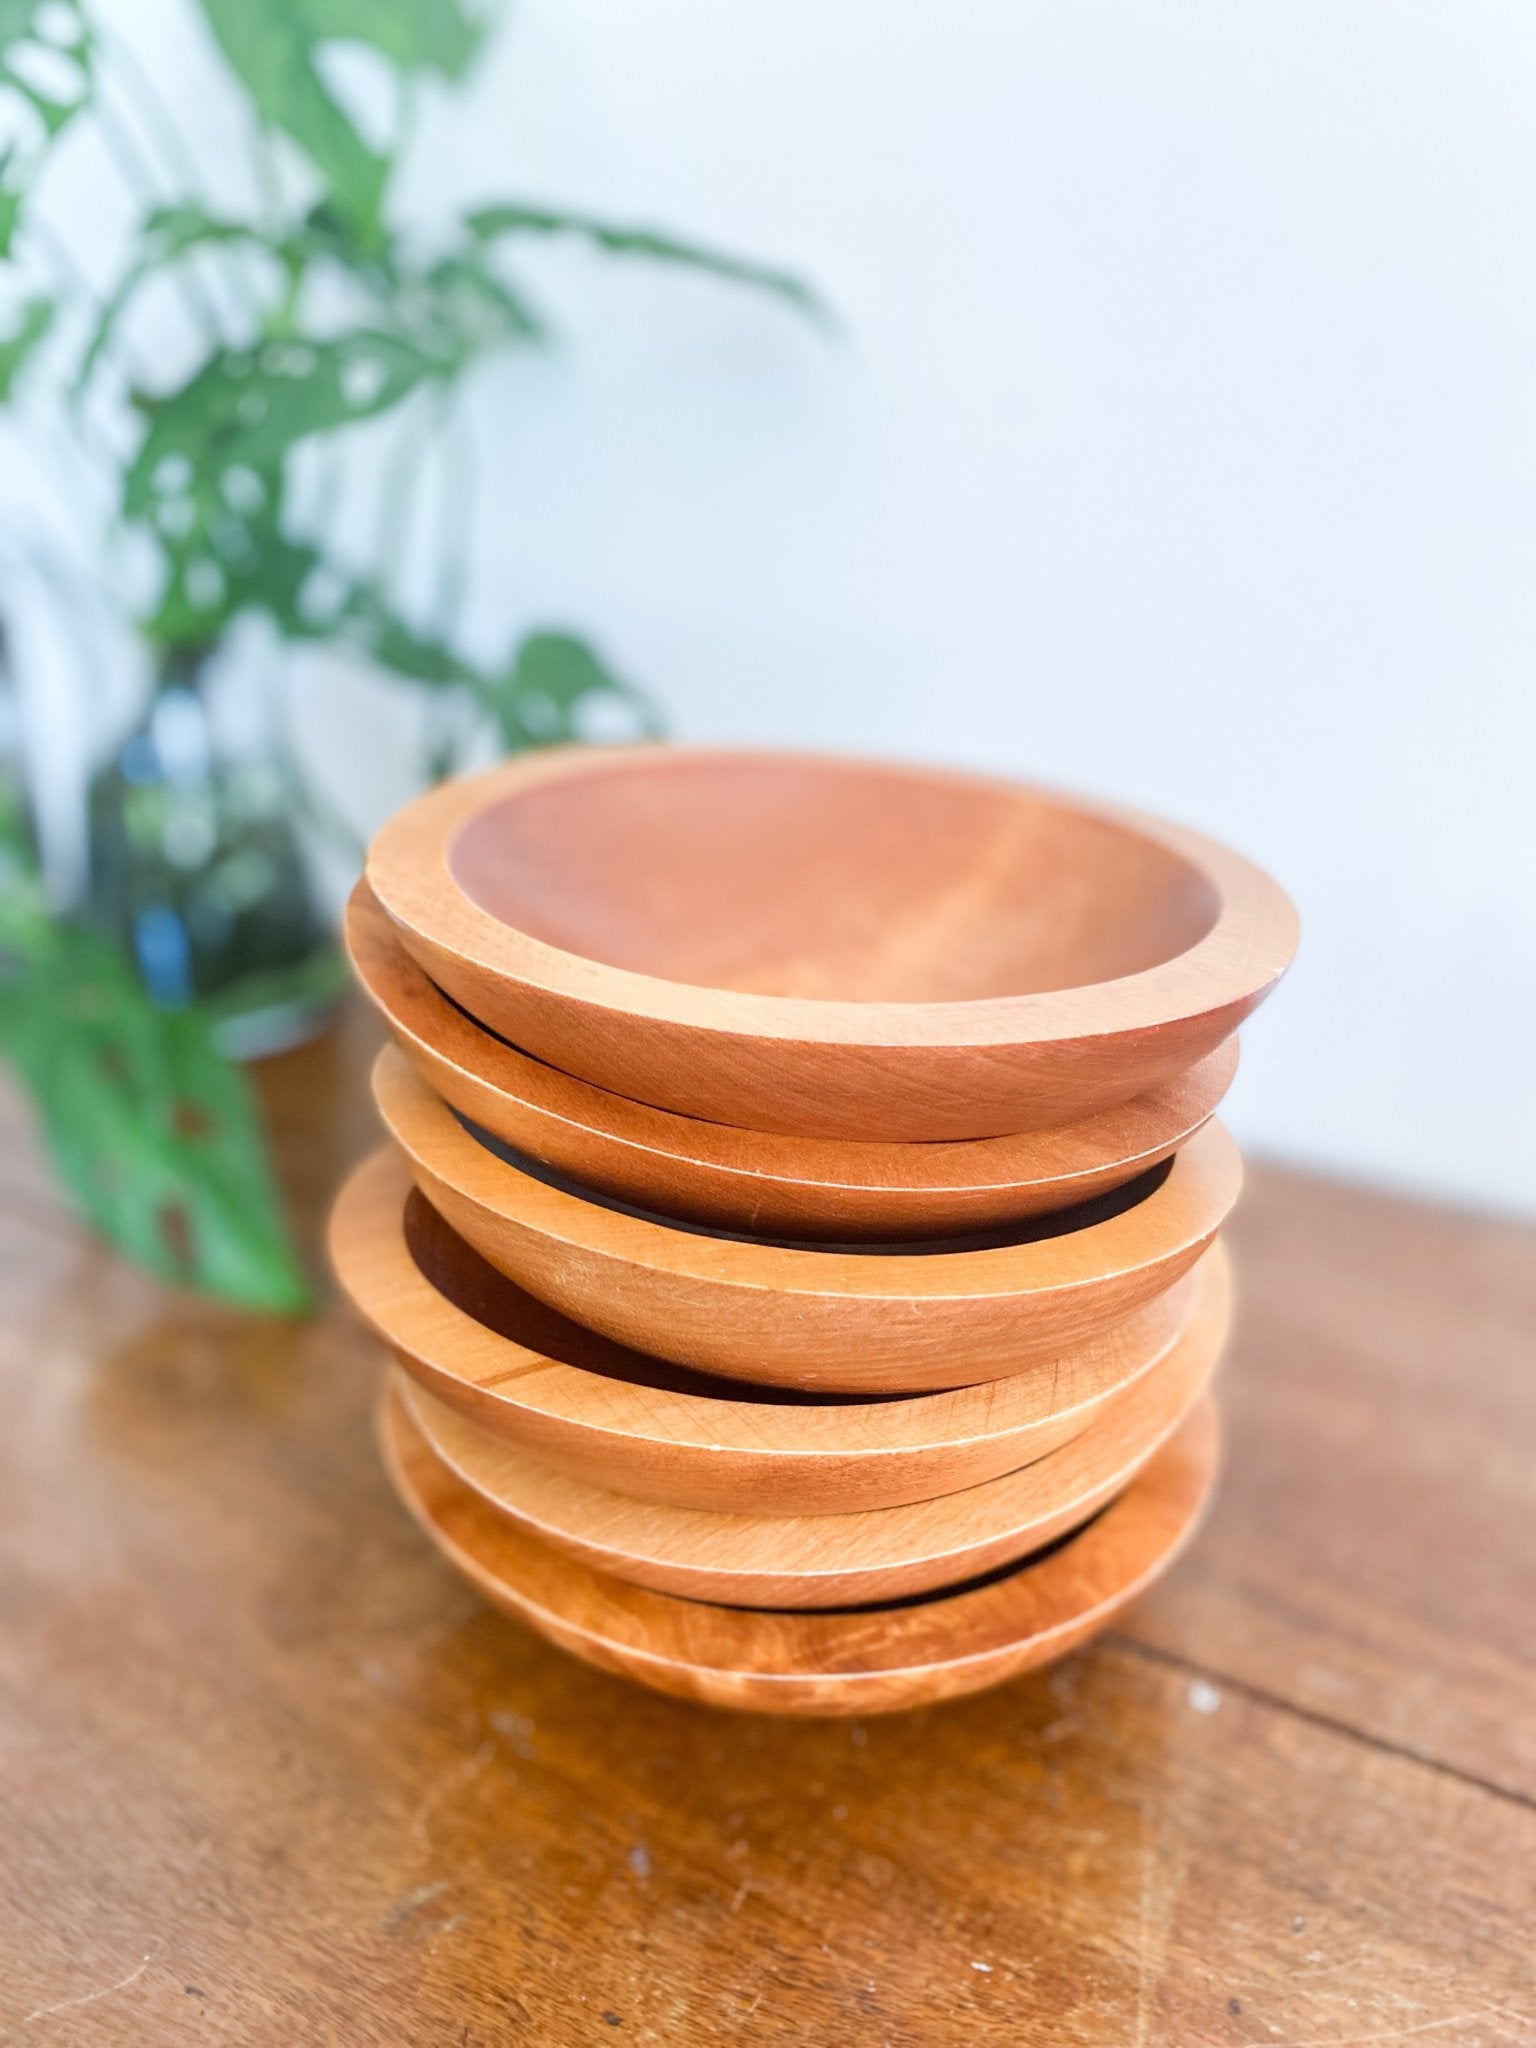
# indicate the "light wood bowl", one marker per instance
pixel 654 1430
pixel 869 1661
pixel 756 1180
pixel 831 948
pixel 751 1559
pixel 849 1320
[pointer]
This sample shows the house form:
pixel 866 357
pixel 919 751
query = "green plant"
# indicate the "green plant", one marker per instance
pixel 309 315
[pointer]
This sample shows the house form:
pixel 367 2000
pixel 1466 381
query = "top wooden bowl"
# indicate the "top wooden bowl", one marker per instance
pixel 827 947
pixel 762 1181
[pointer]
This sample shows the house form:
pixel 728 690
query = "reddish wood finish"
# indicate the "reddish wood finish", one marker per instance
pixel 865 1662
pixel 872 1321
pixel 831 948
pixel 650 1428
pixel 272 1774
pixel 756 1180
pixel 752 1559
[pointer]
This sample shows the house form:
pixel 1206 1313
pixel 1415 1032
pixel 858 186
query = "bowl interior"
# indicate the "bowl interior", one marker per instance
pixel 828 880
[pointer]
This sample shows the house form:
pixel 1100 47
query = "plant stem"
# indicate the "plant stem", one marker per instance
pixel 455 512
pixel 89 440
pixel 405 127
pixel 174 149
pixel 331 463
pixel 138 172
pixel 397 492
pixel 59 254
pixel 440 735
pixel 313 802
pixel 266 173
pixel 152 110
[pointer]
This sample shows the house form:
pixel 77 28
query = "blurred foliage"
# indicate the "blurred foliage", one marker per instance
pixel 310 313
pixel 151 1130
pixel 406 318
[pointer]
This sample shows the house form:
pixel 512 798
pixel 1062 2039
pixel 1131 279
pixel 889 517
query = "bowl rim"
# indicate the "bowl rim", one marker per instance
pixel 1064 1596
pixel 421 1016
pixel 1182 1213
pixel 896 1549
pixel 378 1273
pixel 1247 948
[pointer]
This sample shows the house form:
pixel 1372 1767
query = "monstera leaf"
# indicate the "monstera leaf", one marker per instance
pixel 308 313
pixel 539 699
pixel 57 33
pixel 246 408
pixel 46 57
pixel 275 47
pixel 169 236
pixel 152 1131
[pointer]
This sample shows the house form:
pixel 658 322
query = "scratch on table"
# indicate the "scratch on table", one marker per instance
pixel 412 1902
pixel 1454 2019
pixel 90 1997
pixel 464 1772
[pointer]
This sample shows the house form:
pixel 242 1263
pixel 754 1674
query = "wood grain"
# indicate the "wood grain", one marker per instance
pixel 1374 1559
pixel 859 1662
pixel 751 1559
pixel 829 948
pixel 760 1181
pixel 271 1774
pixel 849 1321
pixel 654 1430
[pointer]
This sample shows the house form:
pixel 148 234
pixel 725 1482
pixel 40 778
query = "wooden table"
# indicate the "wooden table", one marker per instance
pixel 272 1775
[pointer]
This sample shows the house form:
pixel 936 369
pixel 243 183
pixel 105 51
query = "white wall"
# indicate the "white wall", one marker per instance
pixel 1180 445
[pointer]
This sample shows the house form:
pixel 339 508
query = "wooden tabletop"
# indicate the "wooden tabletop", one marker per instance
pixel 270 1774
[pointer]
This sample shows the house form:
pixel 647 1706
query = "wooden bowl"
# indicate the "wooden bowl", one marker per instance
pixel 849 1320
pixel 756 1180
pixel 751 1559
pixel 656 1431
pixel 868 1661
pixel 832 948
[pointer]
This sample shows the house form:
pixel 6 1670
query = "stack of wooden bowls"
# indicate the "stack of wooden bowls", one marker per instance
pixel 798 1242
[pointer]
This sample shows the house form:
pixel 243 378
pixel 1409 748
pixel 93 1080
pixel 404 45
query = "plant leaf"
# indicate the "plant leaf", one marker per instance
pixel 440 36
pixel 25 930
pixel 10 203
pixel 465 309
pixel 492 223
pixel 36 318
pixel 246 408
pixel 271 45
pixel 537 700
pixel 154 1134
pixel 208 480
pixel 61 36
pixel 168 234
